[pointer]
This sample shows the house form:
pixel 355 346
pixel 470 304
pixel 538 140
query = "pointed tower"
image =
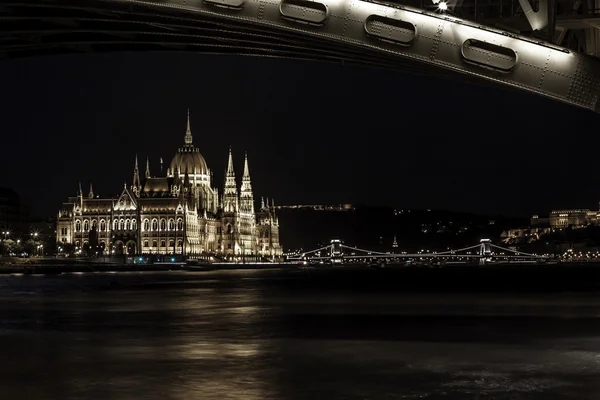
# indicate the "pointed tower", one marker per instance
pixel 395 242
pixel 91 193
pixel 137 186
pixel 262 203
pixel 230 198
pixel 147 167
pixel 188 132
pixel 246 196
pixel 275 219
pixel 80 196
pixel 186 179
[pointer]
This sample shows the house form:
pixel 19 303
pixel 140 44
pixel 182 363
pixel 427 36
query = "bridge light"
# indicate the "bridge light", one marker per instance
pixel 442 6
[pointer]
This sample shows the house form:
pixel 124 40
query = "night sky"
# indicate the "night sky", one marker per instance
pixel 314 132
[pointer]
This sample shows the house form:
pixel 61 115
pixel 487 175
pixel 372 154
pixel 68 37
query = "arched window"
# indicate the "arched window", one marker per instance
pixel 133 224
pixel 179 224
pixel 145 243
pixel 171 242
pixel 77 243
pixel 154 225
pixel 94 224
pixel 126 225
pixel 121 224
pixel 114 224
pixel 86 225
pixel 171 225
pixel 102 225
pixel 154 243
pixel 163 224
pixel 180 243
pixel 146 225
pixel 229 228
pixel 163 243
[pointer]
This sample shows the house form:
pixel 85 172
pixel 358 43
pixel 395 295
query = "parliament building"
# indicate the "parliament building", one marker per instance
pixel 181 213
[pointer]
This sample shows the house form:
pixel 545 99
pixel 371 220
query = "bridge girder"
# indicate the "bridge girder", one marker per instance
pixel 385 35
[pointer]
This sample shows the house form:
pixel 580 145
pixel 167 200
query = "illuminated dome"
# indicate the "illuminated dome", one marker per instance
pixel 188 159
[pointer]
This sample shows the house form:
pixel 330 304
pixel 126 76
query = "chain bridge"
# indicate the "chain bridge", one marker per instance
pixel 548 47
pixel 483 252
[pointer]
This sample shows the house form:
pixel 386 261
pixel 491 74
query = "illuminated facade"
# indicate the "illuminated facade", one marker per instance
pixel 573 218
pixel 180 213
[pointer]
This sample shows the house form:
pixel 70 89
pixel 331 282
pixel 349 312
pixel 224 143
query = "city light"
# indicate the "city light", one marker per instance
pixel 442 6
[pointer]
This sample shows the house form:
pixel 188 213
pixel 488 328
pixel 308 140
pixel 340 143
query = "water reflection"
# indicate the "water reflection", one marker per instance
pixel 221 337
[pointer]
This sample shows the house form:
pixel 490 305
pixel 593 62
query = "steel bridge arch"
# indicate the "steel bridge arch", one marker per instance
pixel 364 32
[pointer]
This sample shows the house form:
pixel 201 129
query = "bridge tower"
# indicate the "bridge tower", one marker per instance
pixel 335 251
pixel 485 251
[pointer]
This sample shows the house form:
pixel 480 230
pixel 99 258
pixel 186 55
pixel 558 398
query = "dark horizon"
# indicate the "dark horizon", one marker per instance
pixel 314 132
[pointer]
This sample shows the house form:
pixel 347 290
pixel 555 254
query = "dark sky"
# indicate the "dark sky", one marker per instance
pixel 315 133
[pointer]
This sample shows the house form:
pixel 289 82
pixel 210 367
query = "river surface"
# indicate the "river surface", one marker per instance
pixel 249 335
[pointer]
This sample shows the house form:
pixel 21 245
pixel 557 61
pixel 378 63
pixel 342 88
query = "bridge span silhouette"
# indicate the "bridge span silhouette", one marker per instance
pixel 483 252
pixel 552 55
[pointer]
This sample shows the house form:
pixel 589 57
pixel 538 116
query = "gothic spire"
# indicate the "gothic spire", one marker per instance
pixel 246 170
pixel 80 192
pixel 186 178
pixel 188 132
pixel 230 171
pixel 230 198
pixel 91 194
pixel 246 196
pixel 262 203
pixel 147 167
pixel 136 174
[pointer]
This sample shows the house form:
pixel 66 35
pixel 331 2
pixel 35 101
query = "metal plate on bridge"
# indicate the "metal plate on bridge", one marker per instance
pixel 489 55
pixel 234 4
pixel 391 30
pixel 303 11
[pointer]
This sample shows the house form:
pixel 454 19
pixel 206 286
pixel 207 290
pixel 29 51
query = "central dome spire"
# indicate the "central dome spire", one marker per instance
pixel 189 158
pixel 188 132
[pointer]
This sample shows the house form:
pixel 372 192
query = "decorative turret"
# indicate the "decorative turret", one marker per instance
pixel 186 179
pixel 246 196
pixel 230 198
pixel 80 195
pixel 137 186
pixel 147 167
pixel 91 193
pixel 275 219
pixel 262 203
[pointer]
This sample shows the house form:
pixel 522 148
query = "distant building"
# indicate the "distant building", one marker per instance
pixel 574 218
pixel 180 212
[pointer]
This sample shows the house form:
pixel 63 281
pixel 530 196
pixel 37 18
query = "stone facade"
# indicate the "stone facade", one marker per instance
pixel 180 213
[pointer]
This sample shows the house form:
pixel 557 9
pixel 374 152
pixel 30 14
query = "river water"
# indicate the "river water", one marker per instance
pixel 253 335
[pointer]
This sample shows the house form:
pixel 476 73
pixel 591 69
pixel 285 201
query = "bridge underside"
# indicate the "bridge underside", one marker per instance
pixel 390 36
